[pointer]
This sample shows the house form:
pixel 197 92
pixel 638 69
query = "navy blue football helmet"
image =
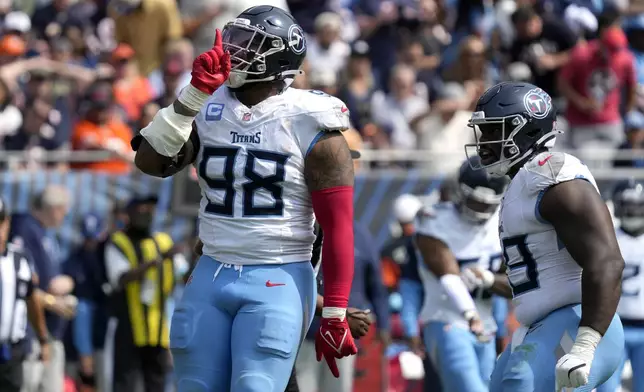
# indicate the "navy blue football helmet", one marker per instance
pixel 628 201
pixel 265 43
pixel 479 194
pixel 512 121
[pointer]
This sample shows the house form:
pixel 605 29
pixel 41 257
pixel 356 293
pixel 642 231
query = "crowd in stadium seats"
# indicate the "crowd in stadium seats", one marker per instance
pixel 85 75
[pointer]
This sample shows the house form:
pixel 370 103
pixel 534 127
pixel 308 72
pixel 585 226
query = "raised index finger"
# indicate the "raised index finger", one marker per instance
pixel 218 39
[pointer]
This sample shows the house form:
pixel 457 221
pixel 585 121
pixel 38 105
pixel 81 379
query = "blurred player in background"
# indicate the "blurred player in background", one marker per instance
pixel 460 326
pixel 267 157
pixel 628 201
pixel 563 262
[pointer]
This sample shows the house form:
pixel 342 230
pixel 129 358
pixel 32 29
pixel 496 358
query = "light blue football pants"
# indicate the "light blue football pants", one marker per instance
pixel 238 328
pixel 634 351
pixel 530 367
pixel 500 310
pixel 462 362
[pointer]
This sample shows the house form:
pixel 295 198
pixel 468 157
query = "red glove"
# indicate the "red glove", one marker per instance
pixel 211 69
pixel 334 340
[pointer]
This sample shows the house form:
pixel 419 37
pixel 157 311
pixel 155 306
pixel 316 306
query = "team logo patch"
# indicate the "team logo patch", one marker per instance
pixel 214 111
pixel 538 103
pixel 296 40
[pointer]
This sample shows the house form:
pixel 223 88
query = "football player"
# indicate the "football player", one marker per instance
pixel 459 326
pixel 268 157
pixel 563 261
pixel 628 200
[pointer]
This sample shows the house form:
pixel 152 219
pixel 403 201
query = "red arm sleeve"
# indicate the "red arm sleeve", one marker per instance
pixel 333 209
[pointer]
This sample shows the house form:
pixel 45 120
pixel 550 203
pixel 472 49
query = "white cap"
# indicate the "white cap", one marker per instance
pixel 17 21
pixel 406 207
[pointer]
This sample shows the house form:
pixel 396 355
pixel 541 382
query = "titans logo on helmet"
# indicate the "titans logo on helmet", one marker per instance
pixel 296 40
pixel 538 103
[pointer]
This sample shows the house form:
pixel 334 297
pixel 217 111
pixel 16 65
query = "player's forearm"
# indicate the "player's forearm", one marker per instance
pixel 319 304
pixel 329 175
pixel 600 292
pixel 501 286
pixel 36 315
pixel 170 128
pixel 136 273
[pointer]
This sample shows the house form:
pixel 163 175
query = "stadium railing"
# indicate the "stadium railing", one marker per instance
pixel 179 197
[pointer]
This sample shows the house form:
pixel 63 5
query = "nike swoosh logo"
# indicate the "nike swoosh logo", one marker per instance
pixel 269 284
pixel 344 109
pixel 544 160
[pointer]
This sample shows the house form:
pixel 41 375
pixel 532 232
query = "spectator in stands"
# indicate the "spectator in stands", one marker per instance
pixel 327 52
pixel 598 75
pixel 325 81
pixel 131 90
pixel 16 310
pixel 147 26
pixel 377 20
pixel 542 42
pixel 634 29
pixel 10 116
pixel 359 86
pixel 174 73
pixel 136 261
pixel 31 233
pixel 406 101
pixel 197 19
pixel 634 141
pixel 367 292
pixel 443 130
pixel 17 23
pixel 101 130
pixel 48 20
pixel 36 137
pixel 87 268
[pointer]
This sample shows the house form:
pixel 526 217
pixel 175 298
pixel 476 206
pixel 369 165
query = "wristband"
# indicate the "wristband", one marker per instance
pixel 192 98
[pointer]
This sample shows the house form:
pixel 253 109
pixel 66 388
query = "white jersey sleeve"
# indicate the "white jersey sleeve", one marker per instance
pixel 318 113
pixel 543 275
pixel 472 245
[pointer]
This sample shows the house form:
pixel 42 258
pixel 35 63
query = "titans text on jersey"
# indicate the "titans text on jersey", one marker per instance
pixel 256 207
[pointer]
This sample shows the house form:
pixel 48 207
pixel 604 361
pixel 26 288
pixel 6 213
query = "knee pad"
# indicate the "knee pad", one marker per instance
pixel 253 382
pixel 192 385
pixel 182 329
pixel 279 335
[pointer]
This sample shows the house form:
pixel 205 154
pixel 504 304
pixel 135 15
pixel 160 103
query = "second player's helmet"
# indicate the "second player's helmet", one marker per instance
pixel 479 194
pixel 522 118
pixel 265 43
pixel 628 201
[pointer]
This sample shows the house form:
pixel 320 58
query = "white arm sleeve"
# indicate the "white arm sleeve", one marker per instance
pixel 116 264
pixel 457 292
pixel 169 131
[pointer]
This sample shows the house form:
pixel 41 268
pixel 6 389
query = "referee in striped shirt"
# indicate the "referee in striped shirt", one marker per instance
pixel 19 302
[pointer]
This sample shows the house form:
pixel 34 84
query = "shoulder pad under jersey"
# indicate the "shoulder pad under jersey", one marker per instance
pixel 551 168
pixel 328 113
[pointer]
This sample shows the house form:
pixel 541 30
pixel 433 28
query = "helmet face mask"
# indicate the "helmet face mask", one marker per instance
pixel 494 142
pixel 265 44
pixel 249 46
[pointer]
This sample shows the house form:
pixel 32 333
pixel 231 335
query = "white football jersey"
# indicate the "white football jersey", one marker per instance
pixel 255 205
pixel 543 275
pixel 631 304
pixel 471 244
